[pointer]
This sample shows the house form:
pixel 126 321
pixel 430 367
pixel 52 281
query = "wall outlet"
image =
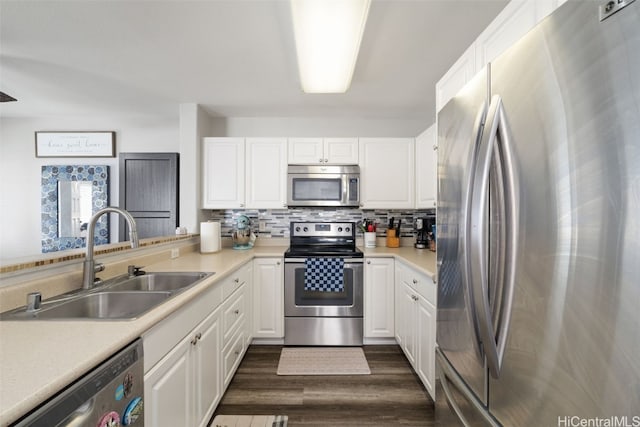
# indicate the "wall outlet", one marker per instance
pixel 262 226
pixel 175 253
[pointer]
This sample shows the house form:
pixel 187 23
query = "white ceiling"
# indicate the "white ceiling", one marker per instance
pixel 236 58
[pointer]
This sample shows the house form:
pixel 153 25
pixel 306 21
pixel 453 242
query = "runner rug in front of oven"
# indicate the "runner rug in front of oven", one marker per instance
pixel 324 274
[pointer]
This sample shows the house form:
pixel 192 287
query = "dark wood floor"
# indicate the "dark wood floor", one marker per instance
pixel 391 396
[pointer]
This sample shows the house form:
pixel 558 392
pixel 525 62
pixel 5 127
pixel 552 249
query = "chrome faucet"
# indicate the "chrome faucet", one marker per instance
pixel 90 268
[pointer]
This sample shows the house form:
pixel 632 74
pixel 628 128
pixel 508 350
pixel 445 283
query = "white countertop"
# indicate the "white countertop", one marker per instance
pixel 38 358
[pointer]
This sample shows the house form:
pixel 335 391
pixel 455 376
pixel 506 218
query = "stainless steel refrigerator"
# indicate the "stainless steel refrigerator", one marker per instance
pixel 538 229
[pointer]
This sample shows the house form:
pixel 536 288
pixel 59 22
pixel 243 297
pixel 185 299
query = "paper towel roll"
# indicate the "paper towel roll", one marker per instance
pixel 209 237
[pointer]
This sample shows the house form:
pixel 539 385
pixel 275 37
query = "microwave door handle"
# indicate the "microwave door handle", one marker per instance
pixel 345 189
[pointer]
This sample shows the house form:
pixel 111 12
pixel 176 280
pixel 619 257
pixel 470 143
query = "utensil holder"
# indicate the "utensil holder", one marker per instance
pixel 369 239
pixel 392 240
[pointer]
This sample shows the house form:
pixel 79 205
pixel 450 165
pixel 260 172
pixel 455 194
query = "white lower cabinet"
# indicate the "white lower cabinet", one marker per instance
pixel 236 334
pixel 426 343
pixel 184 387
pixel 191 356
pixel 406 321
pixel 378 298
pixel 268 298
pixel 416 322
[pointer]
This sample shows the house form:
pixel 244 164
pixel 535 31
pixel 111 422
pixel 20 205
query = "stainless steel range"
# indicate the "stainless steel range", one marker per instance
pixel 323 278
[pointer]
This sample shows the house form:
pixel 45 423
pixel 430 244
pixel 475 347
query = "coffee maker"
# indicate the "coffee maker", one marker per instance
pixel 424 233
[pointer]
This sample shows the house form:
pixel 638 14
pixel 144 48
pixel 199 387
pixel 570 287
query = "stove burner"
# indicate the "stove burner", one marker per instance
pixel 331 239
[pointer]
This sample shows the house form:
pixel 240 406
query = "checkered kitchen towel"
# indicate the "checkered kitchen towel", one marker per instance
pixel 324 274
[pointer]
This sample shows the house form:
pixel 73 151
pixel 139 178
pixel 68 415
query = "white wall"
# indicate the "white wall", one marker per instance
pixel 20 169
pixel 318 126
pixel 195 124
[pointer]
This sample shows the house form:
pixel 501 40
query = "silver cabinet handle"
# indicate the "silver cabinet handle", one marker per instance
pixel 277 262
pixel 236 311
pixel 326 160
pixel 242 205
pixel 236 280
pixel 320 160
pixel 368 261
pixel 415 282
pixel 196 338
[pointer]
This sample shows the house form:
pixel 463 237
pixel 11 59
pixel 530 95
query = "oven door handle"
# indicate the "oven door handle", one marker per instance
pixel 347 261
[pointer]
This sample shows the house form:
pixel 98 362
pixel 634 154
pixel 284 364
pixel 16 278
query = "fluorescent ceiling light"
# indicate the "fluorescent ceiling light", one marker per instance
pixel 328 35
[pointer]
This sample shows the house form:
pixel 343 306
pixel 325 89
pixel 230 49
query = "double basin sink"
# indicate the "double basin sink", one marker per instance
pixel 120 298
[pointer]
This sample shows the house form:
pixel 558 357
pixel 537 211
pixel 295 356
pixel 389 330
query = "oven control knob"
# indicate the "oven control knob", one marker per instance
pixel 305 229
pixel 339 229
pixel 347 229
pixel 297 228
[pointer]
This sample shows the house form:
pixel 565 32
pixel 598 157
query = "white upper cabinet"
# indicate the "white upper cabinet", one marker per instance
pixel 238 174
pixel 387 173
pixel 341 151
pixel 426 168
pixel 266 173
pixel 457 76
pixel 337 151
pixel 223 173
pixel 515 20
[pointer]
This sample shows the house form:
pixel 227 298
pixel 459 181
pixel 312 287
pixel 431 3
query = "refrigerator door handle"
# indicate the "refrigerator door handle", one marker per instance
pixel 493 337
pixel 464 245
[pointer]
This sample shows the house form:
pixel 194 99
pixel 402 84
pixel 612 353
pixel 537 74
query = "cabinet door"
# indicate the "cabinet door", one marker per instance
pixel 168 389
pixel 408 305
pixel 387 173
pixel 207 365
pixel 149 191
pixel 341 151
pixel 515 20
pixel 426 344
pixel 223 173
pixel 378 298
pixel 426 169
pixel 266 173
pixel 457 76
pixel 268 296
pixel 305 151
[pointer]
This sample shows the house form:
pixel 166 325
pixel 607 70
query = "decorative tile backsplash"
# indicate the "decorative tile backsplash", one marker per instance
pixel 276 221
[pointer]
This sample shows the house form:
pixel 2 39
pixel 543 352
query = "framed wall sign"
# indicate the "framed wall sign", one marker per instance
pixel 75 144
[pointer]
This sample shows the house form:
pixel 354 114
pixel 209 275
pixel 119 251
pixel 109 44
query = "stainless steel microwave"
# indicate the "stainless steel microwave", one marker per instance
pixel 316 185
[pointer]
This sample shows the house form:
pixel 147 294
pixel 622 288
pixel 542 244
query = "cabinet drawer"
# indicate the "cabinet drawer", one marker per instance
pixel 233 314
pixel 233 282
pixel 424 285
pixel 420 282
pixel 231 355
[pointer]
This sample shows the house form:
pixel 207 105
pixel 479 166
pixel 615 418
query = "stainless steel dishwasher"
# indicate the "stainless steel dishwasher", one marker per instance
pixel 110 395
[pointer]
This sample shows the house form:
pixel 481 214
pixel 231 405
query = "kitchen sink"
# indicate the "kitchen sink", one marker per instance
pixel 152 282
pixel 100 305
pixel 121 298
